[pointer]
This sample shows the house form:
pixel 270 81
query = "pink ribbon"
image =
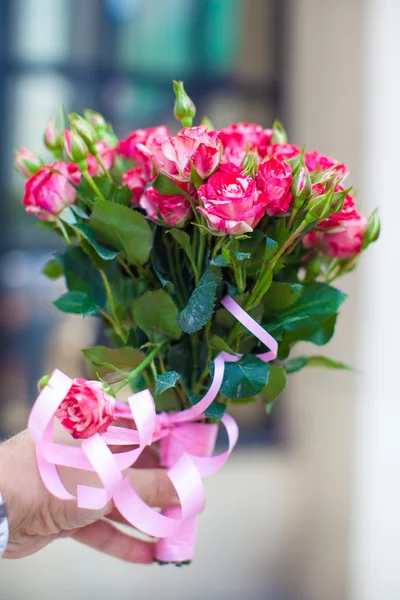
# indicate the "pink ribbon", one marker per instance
pixel 186 472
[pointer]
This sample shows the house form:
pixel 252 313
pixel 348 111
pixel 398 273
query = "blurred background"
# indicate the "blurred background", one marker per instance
pixel 307 508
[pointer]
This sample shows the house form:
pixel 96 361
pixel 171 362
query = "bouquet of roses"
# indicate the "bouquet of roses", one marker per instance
pixel 195 251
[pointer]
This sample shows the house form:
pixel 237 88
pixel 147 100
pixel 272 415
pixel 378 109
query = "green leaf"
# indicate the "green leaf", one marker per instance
pixel 281 295
pixel 245 378
pixel 53 269
pixel 241 256
pixel 167 187
pixel 167 401
pixel 123 196
pixel 216 410
pixel 295 364
pixel 165 381
pixel 201 305
pixel 220 345
pixel 252 241
pixel 82 276
pixel 123 358
pixel 104 253
pixel 156 314
pixel 317 302
pixel 276 384
pixel 79 212
pixel 221 260
pixel 67 216
pixel 319 334
pixel 195 177
pixel 183 239
pixel 124 229
pixel 77 303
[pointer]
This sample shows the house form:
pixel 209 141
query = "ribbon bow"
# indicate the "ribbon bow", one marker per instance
pixel 186 470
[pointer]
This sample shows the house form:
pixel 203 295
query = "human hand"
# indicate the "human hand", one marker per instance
pixel 36 518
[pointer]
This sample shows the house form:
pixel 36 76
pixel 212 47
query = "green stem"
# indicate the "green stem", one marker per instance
pixel 205 372
pixel 172 269
pixel 64 232
pixel 110 298
pixel 218 245
pixel 202 247
pixel 149 358
pixel 194 339
pixel 93 185
pixel 180 276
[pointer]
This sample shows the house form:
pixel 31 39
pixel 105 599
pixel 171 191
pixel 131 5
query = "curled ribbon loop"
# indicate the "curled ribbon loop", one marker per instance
pixel 186 472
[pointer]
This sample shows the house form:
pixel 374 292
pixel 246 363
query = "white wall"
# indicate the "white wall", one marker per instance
pixel 375 568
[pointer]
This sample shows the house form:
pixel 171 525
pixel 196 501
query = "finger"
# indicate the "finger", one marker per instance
pixel 153 486
pixel 108 539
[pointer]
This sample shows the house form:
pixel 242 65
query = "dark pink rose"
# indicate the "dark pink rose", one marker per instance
pixel 317 162
pixel 238 138
pixel 107 155
pixel 231 203
pixel 193 145
pixel 48 192
pixel 274 180
pixel 86 409
pixel 143 146
pixel 136 181
pixel 283 151
pixel 172 210
pixel 342 242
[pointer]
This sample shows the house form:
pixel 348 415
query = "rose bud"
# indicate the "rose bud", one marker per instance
pixel 136 182
pixel 43 381
pixel 301 186
pixel 96 120
pixel 279 135
pixel 48 192
pixel 274 180
pixel 74 146
pixel 83 128
pixel 87 409
pixel 250 163
pixel 372 229
pixel 231 203
pixel 319 206
pixel 184 108
pixel 26 162
pixel 52 139
pixel 193 147
pixel 171 210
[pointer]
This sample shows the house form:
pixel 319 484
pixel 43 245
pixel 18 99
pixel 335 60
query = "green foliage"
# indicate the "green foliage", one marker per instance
pixel 104 253
pixel 216 410
pixel 156 314
pixel 246 378
pixel 298 363
pixel 125 359
pixel 281 295
pixel 166 381
pixel 201 305
pixel 82 276
pixel 166 186
pixel 123 196
pixel 276 384
pixel 77 303
pixel 183 240
pixel 124 229
pixel 53 269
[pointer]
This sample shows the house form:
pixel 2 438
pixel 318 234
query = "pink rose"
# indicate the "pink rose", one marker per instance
pixel 193 145
pixel 239 137
pixel 343 242
pixel 48 192
pixel 340 235
pixel 136 182
pixel 26 162
pixel 231 203
pixel 172 210
pixel 86 409
pixel 283 151
pixel 274 179
pixel 316 162
pixel 143 146
pixel 107 155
